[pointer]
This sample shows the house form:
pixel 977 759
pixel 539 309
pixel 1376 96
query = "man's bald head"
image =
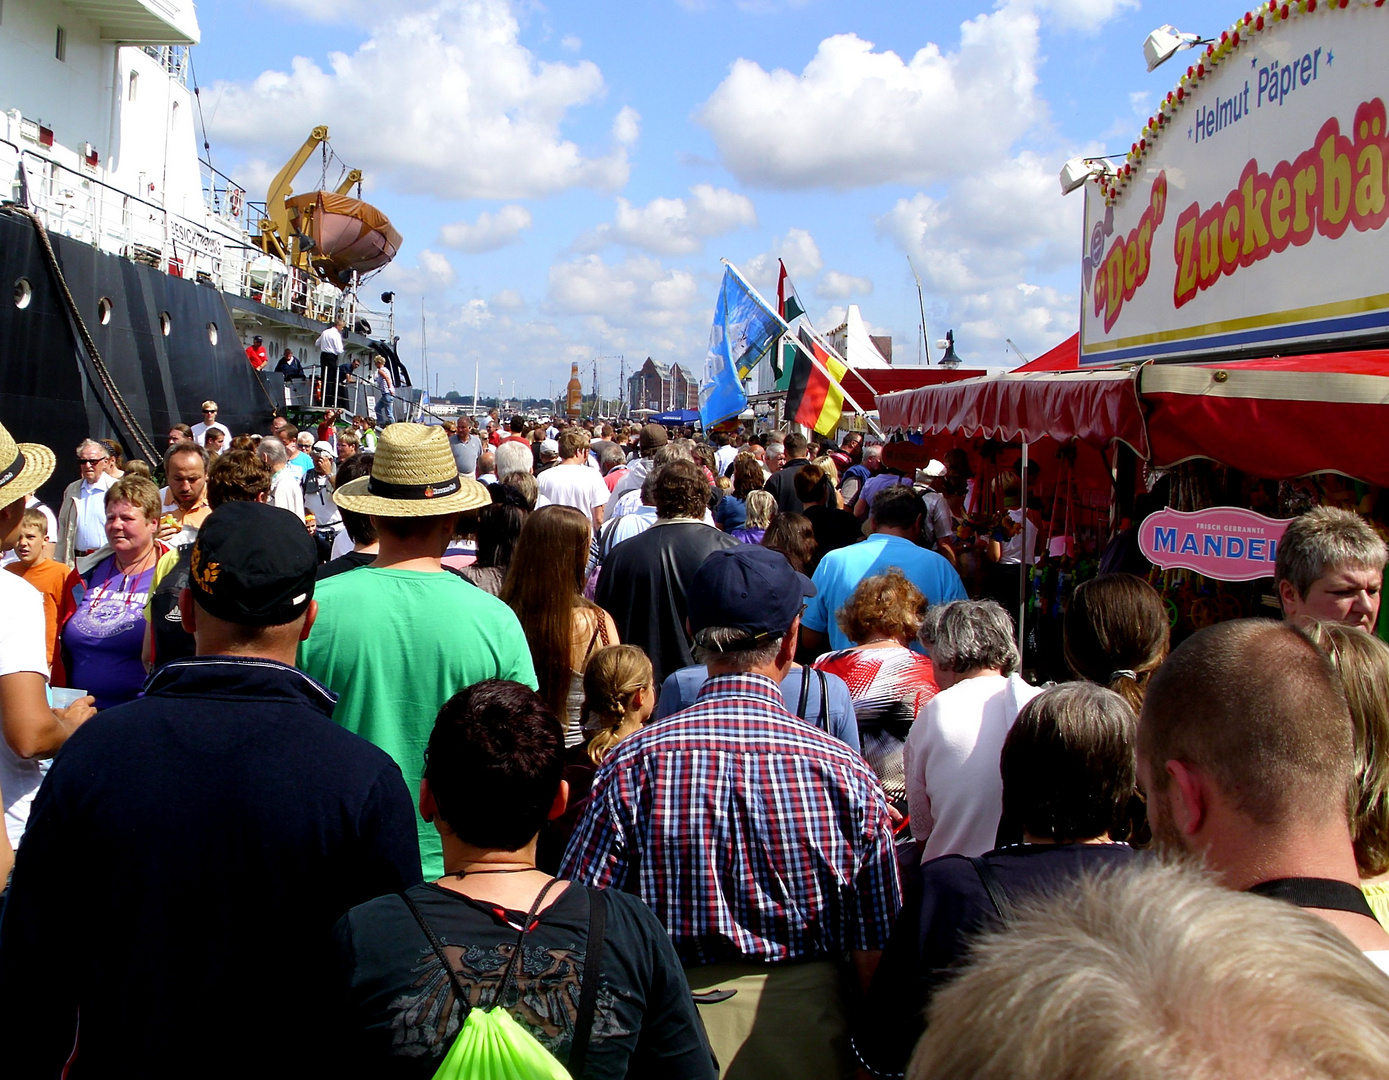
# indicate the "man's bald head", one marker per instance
pixel 1258 708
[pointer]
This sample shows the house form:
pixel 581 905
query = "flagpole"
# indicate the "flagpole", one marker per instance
pixel 786 331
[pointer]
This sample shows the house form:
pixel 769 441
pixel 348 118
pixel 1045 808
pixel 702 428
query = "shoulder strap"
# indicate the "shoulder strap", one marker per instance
pixel 805 692
pixel 458 991
pixel 824 701
pixel 510 970
pixel 992 886
pixel 1316 893
pixel 593 638
pixel 588 987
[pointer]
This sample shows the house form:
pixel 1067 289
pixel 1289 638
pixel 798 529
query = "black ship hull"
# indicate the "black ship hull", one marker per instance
pixel 168 343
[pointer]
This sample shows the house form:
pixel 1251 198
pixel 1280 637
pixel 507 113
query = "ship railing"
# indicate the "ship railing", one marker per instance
pixel 172 58
pixel 80 206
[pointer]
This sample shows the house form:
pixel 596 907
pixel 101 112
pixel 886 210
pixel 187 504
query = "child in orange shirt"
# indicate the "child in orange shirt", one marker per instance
pixel 46 575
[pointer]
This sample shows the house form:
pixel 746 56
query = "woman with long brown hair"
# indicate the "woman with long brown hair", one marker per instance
pixel 1116 634
pixel 544 586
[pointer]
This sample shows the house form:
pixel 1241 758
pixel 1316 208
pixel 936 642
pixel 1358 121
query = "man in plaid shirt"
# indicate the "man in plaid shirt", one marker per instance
pixel 763 845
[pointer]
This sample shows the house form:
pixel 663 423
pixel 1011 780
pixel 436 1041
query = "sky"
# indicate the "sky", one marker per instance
pixel 568 175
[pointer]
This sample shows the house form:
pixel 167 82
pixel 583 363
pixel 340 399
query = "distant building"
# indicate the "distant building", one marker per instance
pixel 660 387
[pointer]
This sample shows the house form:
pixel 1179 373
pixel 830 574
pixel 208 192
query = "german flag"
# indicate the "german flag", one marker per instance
pixel 812 399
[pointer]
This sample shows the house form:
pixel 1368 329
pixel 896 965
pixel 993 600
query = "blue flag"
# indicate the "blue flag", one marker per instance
pixel 744 330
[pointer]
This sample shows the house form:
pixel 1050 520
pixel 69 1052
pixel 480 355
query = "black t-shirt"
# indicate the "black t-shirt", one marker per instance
pixel 834 528
pixel 343 563
pixel 946 904
pixel 643 586
pixel 401 1012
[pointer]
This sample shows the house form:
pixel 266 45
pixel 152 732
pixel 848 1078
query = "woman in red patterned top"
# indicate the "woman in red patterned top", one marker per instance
pixel 889 684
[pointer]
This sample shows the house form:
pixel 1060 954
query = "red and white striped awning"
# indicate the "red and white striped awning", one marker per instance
pixel 1096 407
pixel 1275 418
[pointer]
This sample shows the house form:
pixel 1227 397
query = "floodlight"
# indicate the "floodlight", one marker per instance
pixel 1078 170
pixel 1165 41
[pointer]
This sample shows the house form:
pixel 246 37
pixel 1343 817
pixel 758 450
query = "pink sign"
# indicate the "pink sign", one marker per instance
pixel 1224 542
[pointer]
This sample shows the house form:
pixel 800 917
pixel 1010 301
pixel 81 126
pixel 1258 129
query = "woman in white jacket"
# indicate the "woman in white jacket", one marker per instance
pixel 954 788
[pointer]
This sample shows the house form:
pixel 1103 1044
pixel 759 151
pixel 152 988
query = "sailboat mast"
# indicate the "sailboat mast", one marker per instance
pixel 921 304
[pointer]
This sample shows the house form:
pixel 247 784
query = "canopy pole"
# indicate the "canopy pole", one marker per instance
pixel 1026 560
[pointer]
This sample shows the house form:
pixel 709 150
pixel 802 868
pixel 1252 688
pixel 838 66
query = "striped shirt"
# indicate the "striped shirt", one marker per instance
pixel 749 833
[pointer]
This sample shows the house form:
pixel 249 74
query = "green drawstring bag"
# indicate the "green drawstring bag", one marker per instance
pixel 491 1045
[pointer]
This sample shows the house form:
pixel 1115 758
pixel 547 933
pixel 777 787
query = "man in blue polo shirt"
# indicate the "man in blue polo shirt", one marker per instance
pixel 896 517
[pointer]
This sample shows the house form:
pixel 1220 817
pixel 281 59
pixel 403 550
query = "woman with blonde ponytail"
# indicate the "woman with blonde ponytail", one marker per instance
pixel 619 697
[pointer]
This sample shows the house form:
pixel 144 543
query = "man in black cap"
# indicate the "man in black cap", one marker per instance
pixel 761 843
pixel 190 851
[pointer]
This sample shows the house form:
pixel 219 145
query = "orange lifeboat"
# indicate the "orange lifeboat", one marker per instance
pixel 345 234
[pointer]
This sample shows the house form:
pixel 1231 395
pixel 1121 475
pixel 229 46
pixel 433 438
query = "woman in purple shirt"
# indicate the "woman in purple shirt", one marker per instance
pixel 104 625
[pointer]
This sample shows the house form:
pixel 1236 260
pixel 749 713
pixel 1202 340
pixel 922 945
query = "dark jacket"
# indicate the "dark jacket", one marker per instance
pixel 782 484
pixel 290 367
pixel 184 864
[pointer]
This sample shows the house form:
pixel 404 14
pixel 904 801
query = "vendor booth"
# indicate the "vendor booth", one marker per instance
pixel 1234 309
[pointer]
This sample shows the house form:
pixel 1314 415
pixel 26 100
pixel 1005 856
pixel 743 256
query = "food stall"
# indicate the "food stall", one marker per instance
pixel 1234 301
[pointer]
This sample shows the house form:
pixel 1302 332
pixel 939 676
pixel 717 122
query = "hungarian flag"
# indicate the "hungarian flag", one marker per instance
pixel 812 398
pixel 790 308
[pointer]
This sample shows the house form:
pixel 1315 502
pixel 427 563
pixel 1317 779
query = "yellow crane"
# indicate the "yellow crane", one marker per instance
pixel 277 234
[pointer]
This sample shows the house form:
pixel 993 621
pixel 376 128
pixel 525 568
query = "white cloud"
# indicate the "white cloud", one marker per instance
pixel 444 101
pixel 490 231
pixel 836 286
pixel 637 291
pixel 1084 16
pixel 507 300
pixel 569 43
pixel 855 117
pixel 674 226
pixel 431 275
pixel 797 249
pixel 980 239
pixel 627 126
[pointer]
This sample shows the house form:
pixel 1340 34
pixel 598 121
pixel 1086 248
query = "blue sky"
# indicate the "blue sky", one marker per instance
pixel 567 176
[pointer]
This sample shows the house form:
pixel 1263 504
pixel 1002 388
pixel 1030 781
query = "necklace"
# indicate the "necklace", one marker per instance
pixel 461 874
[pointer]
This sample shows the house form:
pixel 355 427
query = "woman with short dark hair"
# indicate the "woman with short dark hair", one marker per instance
pixel 1069 772
pixel 494 931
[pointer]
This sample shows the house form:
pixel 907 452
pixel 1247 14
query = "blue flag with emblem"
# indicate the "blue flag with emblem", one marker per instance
pixel 743 333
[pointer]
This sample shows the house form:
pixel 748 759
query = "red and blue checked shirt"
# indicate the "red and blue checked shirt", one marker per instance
pixel 750 834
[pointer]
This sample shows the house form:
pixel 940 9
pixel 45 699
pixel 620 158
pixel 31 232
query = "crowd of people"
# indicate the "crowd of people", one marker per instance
pixel 552 748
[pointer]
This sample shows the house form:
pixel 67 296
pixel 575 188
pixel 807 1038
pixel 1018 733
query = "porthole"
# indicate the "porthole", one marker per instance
pixel 23 293
pixel 212 332
pixel 103 311
pixel 165 323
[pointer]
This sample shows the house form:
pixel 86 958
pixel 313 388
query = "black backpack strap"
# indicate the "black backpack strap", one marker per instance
pixel 588 987
pixel 992 886
pixel 824 702
pixel 805 693
pixel 458 991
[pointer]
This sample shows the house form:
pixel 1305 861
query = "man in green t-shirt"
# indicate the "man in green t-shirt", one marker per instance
pixel 427 633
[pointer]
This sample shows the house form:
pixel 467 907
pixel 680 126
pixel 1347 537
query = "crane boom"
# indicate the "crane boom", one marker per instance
pixel 274 227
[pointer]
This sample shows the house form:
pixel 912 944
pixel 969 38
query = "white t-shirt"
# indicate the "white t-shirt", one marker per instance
pixel 1013 549
pixel 286 491
pixel 573 485
pixel 200 432
pixel 954 789
pixel 23 647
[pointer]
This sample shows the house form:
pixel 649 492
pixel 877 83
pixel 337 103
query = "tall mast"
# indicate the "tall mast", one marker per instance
pixel 921 304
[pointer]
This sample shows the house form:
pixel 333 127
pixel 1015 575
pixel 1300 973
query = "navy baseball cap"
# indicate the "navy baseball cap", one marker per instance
pixel 253 564
pixel 749 588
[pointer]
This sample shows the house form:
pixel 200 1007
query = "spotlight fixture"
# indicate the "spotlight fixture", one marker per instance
pixel 1078 170
pixel 1166 41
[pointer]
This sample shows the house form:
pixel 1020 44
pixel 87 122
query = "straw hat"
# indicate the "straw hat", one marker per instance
pixel 413 475
pixel 23 467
